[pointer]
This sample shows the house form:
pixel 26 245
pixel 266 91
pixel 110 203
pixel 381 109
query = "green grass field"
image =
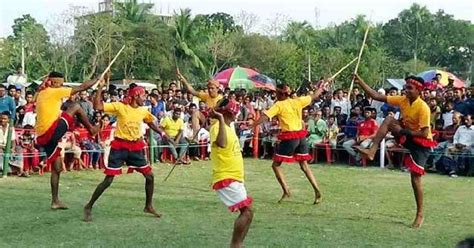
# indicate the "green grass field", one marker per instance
pixel 361 208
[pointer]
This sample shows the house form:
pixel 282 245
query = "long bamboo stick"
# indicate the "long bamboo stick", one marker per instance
pixel 358 62
pixel 110 65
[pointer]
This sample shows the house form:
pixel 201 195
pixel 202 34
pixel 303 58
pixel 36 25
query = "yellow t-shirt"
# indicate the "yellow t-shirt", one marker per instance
pixel 210 102
pixel 172 127
pixel 129 120
pixel 414 116
pixel 48 107
pixel 227 162
pixel 289 112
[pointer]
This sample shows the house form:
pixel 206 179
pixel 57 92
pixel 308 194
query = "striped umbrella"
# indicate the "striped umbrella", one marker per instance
pixel 244 78
pixel 429 75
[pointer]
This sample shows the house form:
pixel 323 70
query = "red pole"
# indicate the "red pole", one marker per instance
pixel 255 136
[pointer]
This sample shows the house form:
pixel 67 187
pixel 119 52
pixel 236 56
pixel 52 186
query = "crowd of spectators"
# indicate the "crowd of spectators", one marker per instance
pixel 333 122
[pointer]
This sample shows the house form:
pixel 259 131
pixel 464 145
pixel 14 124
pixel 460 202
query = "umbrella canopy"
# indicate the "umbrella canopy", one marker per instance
pixel 244 78
pixel 429 75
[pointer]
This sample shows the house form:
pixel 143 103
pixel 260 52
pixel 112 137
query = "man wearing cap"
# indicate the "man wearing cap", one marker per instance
pixel 128 146
pixel 228 168
pixel 413 132
pixel 293 146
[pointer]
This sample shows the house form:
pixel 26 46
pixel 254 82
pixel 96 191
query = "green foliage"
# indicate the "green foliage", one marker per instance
pixel 204 44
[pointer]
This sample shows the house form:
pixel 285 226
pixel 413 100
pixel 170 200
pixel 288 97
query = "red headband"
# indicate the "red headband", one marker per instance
pixel 418 85
pixel 232 107
pixel 136 91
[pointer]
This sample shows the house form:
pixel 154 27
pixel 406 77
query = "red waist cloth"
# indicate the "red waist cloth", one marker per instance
pixel 424 142
pixel 292 135
pixel 132 146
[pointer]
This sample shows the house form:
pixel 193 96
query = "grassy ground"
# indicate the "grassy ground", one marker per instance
pixel 361 208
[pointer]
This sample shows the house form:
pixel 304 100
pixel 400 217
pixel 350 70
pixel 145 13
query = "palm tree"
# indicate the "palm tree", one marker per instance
pixel 187 39
pixel 132 10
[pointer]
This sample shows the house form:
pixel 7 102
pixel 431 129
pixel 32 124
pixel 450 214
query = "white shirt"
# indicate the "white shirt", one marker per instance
pixel 464 135
pixel 4 136
pixel 344 104
pixel 29 119
pixel 448 118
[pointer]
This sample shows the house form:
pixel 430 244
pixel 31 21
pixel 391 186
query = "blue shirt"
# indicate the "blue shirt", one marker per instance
pixel 8 104
pixel 160 107
pixel 350 131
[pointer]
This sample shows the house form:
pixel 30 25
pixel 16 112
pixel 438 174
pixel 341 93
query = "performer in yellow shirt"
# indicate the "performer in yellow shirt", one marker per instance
pixel 128 145
pixel 228 169
pixel 53 121
pixel 211 97
pixel 413 132
pixel 293 146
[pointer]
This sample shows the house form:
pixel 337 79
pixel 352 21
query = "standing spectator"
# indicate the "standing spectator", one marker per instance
pixel 157 105
pixel 19 100
pixel 30 104
pixel 333 131
pixel 435 110
pixel 106 135
pixel 340 101
pixel 16 158
pixel 463 148
pixel 173 127
pixel 86 105
pixel 6 102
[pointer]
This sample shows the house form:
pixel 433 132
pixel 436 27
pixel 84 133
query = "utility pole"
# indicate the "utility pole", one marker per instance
pixel 22 55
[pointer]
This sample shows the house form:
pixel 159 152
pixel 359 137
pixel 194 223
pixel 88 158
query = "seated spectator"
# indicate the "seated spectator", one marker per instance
pixel 317 129
pixel 270 131
pixel 89 145
pixel 446 137
pixel 173 128
pixel 350 131
pixel 365 132
pixel 69 145
pixel 29 118
pixel 6 102
pixel 188 134
pixel 341 119
pixel 463 145
pixel 245 133
pixel 31 156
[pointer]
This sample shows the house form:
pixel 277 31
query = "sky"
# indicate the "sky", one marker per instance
pixel 317 12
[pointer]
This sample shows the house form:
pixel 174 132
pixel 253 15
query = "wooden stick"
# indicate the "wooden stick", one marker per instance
pixel 110 65
pixel 342 69
pixel 358 62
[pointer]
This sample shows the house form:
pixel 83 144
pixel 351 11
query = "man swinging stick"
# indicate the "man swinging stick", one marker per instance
pixel 293 146
pixel 128 145
pixel 413 132
pixel 53 122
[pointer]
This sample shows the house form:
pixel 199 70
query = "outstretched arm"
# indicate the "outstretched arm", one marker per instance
pixel 84 86
pixel 155 127
pixel 188 86
pixel 371 92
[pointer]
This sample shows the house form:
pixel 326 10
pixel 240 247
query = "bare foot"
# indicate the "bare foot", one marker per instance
pixel 366 152
pixel 152 211
pixel 318 198
pixel 58 205
pixel 284 197
pixel 87 214
pixel 417 222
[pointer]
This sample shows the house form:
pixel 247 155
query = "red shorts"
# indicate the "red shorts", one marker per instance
pixel 48 141
pixel 131 153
